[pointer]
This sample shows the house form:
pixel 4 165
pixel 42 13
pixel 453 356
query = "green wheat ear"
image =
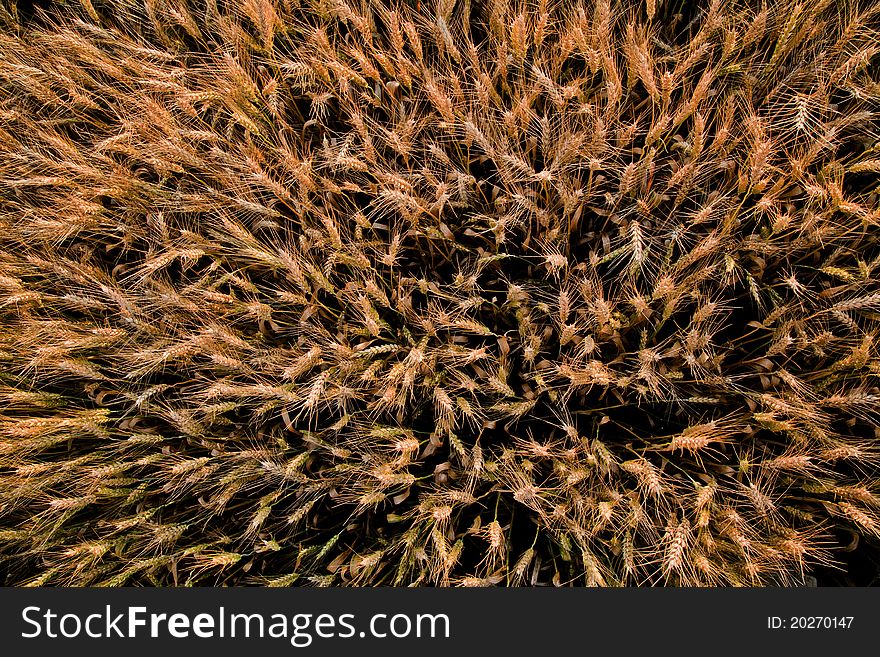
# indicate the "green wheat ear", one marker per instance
pixel 465 294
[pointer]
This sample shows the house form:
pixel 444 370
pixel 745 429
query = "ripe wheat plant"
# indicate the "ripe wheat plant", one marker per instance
pixel 439 293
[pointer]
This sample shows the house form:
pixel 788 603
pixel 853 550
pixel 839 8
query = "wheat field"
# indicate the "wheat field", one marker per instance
pixel 453 293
